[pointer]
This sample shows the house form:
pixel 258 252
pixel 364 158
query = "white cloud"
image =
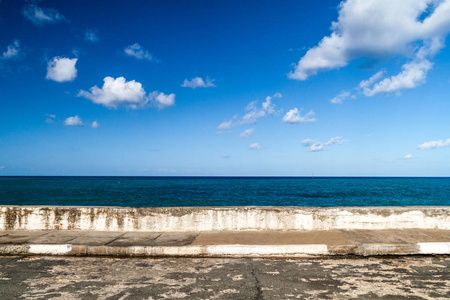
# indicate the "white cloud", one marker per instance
pixel 251 105
pixel 138 52
pixel 412 75
pixel 335 141
pixel 366 83
pixel 62 69
pixel 434 144
pixel 277 95
pixel 73 121
pixel 40 16
pixel 50 118
pixel 91 35
pixel 227 124
pixel 341 97
pixel 268 106
pixel 226 156
pixel 408 156
pixel 95 125
pixel 198 82
pixel 307 142
pixel 252 116
pixel 12 50
pixel 253 112
pixel 382 29
pixel 315 146
pixel 293 116
pixel 161 100
pixel 247 133
pixel 254 146
pixel 117 92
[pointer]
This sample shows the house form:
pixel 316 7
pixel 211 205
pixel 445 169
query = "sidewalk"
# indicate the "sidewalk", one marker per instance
pixel 226 244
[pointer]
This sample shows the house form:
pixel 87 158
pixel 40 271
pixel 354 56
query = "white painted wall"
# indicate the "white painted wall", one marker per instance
pixel 222 218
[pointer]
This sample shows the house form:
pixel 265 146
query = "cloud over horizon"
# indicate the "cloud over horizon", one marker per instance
pixel 73 121
pixel 138 52
pixel 315 146
pixel 293 116
pixel 361 32
pixel 198 82
pixel 62 69
pixel 247 133
pixel 254 112
pixel 41 16
pixel 12 51
pixel 254 146
pixel 434 145
pixel 119 92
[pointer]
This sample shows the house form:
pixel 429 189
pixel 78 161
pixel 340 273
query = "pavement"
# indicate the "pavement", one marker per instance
pixel 271 244
pixel 53 277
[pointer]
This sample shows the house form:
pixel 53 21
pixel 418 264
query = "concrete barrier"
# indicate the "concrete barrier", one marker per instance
pixel 222 218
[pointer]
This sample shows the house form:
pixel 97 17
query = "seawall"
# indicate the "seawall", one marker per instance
pixel 179 219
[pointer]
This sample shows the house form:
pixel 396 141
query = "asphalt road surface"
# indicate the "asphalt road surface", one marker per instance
pixel 198 278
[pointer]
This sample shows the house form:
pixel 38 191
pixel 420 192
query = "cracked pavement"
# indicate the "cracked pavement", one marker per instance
pixel 205 278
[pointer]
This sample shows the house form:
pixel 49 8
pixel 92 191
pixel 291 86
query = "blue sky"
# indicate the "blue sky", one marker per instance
pixel 170 88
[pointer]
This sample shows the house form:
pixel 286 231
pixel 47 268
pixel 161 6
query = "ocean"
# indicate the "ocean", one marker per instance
pixel 224 191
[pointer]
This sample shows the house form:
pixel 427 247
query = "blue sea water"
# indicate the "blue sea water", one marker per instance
pixel 224 191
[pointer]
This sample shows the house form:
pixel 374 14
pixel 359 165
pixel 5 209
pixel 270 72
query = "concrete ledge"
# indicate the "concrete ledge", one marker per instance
pixel 222 218
pixel 287 251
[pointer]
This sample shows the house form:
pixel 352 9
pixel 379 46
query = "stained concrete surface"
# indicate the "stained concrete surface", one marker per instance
pixel 197 278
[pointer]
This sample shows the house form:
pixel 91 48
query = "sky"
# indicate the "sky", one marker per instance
pixel 225 88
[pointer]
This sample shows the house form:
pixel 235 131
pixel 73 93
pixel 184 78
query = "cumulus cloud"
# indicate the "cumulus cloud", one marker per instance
pixel 341 97
pixel 434 145
pixel 12 51
pixel 117 92
pixel 91 35
pixel 412 75
pixel 315 146
pixel 62 69
pixel 293 116
pixel 375 28
pixel 138 52
pixel 161 100
pixel 41 16
pixel 254 146
pixel 198 82
pixel 95 125
pixel 247 133
pixel 73 121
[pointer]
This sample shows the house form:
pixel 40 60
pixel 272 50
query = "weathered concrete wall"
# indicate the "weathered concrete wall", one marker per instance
pixel 221 218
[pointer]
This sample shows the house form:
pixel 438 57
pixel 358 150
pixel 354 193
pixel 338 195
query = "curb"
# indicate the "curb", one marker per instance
pixel 286 251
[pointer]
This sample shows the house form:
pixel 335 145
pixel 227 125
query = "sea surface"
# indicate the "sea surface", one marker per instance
pixel 224 191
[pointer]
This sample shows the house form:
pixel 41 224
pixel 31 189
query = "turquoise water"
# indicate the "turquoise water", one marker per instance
pixel 223 191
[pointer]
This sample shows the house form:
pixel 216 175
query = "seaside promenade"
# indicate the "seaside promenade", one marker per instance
pixel 224 253
pixel 224 231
